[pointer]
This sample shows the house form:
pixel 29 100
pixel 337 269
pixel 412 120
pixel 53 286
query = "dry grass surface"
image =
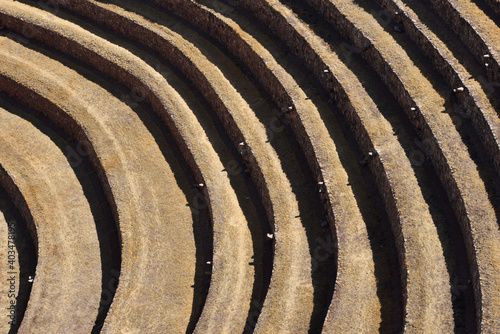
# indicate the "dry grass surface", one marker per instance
pixel 69 269
pixel 477 103
pixel 356 244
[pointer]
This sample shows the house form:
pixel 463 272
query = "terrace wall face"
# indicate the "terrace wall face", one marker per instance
pixel 182 62
pixel 15 193
pixel 232 41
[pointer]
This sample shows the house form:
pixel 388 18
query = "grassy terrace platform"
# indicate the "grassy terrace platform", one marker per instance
pixel 253 166
pixel 155 42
